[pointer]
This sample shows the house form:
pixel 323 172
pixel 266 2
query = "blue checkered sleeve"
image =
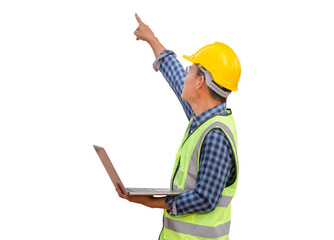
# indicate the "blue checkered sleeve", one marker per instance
pixel 215 166
pixel 173 72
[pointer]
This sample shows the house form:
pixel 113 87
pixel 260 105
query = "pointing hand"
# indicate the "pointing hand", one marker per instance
pixel 143 32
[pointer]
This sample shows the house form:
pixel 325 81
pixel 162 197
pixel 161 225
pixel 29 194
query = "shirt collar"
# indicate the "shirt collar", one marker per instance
pixel 217 110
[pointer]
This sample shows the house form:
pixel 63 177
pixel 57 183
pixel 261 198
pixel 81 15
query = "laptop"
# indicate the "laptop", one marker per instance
pixel 130 191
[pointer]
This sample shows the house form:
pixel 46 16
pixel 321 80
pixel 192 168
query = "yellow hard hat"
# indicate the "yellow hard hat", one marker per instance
pixel 221 61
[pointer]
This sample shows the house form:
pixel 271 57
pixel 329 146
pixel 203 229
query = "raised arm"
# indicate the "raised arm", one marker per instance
pixel 166 62
pixel 143 32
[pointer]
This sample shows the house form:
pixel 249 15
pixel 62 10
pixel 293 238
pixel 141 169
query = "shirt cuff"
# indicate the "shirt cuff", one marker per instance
pixel 171 203
pixel 157 62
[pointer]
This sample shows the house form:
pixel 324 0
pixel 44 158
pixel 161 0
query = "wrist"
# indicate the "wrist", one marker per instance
pixel 152 40
pixel 157 202
pixel 156 46
pixel 149 202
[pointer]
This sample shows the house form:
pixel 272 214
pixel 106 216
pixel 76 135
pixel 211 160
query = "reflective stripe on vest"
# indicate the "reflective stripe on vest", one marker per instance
pixel 197 230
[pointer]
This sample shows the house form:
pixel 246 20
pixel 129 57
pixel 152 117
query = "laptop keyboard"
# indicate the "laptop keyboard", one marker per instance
pixel 146 190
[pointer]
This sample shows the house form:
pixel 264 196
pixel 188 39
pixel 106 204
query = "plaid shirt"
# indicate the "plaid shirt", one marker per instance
pixel 216 157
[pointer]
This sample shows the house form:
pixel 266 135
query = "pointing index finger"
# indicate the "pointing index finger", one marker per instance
pixel 138 19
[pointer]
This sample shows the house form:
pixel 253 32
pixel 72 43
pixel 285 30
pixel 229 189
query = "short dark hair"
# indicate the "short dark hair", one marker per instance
pixel 213 94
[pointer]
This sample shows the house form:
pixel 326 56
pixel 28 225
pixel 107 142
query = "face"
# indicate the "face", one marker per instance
pixel 190 84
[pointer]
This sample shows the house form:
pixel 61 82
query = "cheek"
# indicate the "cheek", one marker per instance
pixel 185 82
pixel 184 89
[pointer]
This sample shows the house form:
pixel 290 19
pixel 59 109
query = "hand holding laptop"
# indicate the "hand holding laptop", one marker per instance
pixel 143 196
pixel 141 199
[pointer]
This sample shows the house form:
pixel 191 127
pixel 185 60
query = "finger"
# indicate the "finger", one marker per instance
pixel 119 191
pixel 119 188
pixel 138 19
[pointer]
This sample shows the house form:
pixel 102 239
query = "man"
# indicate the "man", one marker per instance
pixel 206 166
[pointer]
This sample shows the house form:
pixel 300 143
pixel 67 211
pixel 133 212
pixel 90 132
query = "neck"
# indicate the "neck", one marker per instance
pixel 201 107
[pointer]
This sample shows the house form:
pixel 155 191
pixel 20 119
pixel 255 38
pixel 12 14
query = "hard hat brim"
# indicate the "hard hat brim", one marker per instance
pixel 188 58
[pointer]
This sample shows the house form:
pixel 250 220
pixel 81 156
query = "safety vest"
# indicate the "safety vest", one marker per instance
pixel 199 226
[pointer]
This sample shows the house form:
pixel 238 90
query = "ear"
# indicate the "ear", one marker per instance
pixel 200 83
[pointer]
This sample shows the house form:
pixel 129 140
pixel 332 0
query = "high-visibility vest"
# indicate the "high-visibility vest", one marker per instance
pixel 199 226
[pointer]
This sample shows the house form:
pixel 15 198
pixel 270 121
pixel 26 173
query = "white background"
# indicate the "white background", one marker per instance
pixel 73 75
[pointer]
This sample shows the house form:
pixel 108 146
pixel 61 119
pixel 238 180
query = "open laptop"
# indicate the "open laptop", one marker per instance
pixel 130 191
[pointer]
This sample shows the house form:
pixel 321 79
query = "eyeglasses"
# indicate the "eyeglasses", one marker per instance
pixel 186 71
